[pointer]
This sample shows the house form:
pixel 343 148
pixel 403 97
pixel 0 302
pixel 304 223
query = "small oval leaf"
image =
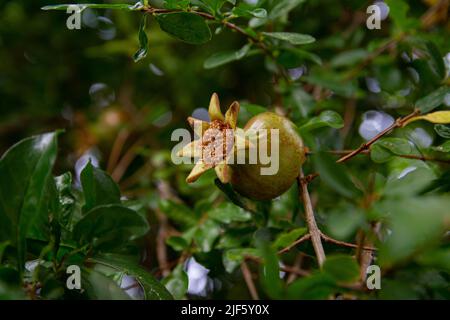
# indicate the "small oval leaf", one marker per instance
pixel 185 26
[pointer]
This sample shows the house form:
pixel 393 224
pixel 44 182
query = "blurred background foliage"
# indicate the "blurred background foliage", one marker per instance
pixel 120 114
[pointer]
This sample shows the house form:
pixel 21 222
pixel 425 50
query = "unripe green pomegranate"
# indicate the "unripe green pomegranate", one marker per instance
pixel 221 141
pixel 247 178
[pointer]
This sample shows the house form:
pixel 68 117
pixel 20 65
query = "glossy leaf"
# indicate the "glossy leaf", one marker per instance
pixel 100 287
pixel 283 7
pixel 153 289
pixel 110 226
pixel 232 258
pixel 293 38
pixel 384 149
pixel 342 268
pixel 327 118
pixel 443 130
pixel 221 58
pixel 206 234
pixel 177 282
pixel 25 171
pixel 178 212
pixel 433 100
pixel 177 243
pixel 286 238
pixel 317 286
pixel 176 4
pixel 227 213
pixel 98 187
pixel 185 26
pixel 113 6
pixel 270 273
pixel 143 41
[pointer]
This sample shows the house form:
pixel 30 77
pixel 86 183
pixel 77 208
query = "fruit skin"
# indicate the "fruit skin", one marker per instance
pixel 247 179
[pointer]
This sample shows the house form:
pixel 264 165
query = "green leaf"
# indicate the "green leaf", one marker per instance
pixel 153 289
pixel 228 212
pixel 114 6
pixel 100 287
pixel 246 10
pixel 332 81
pixel 335 175
pixel 385 148
pixel 66 198
pixel 436 59
pixel 11 284
pixel 221 58
pixel 442 130
pixel 178 212
pixel 177 282
pixel 294 57
pixel 98 188
pixel 185 26
pixel 349 58
pixel 213 6
pixel 327 118
pixel 25 171
pixel 398 11
pixel 3 246
pixel 291 37
pixel 439 258
pixel 285 239
pixel 270 273
pixel 206 234
pixel 318 286
pixel 232 258
pixel 379 154
pixel 177 243
pixel 344 220
pixel 252 109
pixel 416 223
pixel 283 7
pixel 433 100
pixel 409 184
pixel 176 4
pixel 445 147
pixel 232 195
pixel 110 226
pixel 342 268
pixel 143 41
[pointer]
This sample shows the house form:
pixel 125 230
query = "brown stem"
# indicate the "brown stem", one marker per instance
pixel 287 269
pixel 125 161
pixel 346 244
pixel 367 152
pixel 365 146
pixel 293 244
pixel 310 220
pixel 119 142
pixel 249 280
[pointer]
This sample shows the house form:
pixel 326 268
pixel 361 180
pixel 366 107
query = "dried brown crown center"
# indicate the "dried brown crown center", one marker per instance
pixel 217 142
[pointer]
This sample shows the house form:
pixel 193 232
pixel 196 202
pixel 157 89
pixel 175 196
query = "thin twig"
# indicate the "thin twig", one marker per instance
pixel 366 145
pixel 287 269
pixel 295 243
pixel 119 142
pixel 346 244
pixel 249 280
pixel 310 220
pixel 367 152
